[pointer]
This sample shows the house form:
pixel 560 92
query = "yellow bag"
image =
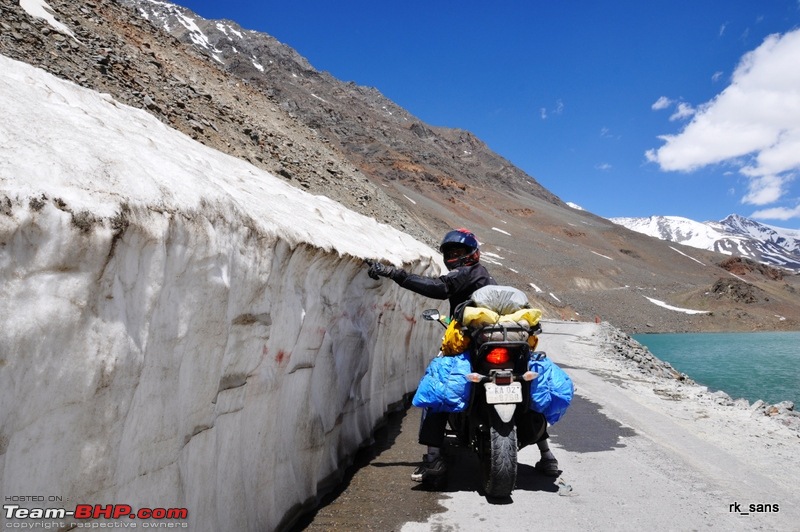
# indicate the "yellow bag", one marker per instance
pixel 529 315
pixel 454 341
pixel 533 341
pixel 477 317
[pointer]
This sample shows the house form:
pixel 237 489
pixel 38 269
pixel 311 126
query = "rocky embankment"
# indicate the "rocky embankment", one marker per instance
pixel 672 384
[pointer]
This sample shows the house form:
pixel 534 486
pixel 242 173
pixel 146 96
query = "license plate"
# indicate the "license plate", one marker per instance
pixel 510 393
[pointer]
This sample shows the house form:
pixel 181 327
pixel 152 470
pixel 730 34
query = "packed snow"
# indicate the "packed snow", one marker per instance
pixel 601 255
pixel 501 231
pixel 41 9
pixel 677 309
pixel 181 328
pixel 676 250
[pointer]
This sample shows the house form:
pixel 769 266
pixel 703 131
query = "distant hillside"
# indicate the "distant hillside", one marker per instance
pixel 735 235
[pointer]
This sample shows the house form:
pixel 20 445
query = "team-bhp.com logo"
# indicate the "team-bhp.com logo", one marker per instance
pixel 84 514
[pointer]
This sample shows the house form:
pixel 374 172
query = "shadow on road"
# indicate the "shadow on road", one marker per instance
pixel 464 475
pixel 584 429
pixel 376 493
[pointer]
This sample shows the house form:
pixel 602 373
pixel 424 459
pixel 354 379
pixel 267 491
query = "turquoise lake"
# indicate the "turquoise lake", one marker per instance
pixel 764 365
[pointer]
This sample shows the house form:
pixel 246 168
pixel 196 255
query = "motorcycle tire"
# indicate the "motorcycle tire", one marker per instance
pixel 499 463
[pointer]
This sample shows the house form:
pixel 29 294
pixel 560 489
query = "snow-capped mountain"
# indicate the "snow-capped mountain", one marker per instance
pixel 735 235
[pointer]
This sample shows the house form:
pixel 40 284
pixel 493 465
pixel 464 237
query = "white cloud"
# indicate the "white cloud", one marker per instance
pixel 745 35
pixel 777 213
pixel 716 76
pixel 661 103
pixel 544 113
pixel 757 116
pixel 603 166
pixel 606 133
pixel 763 190
pixel 684 111
pixel 782 156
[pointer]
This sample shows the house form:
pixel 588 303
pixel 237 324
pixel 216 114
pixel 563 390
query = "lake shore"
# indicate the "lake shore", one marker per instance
pixel 670 383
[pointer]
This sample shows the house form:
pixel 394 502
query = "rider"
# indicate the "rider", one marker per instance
pixel 461 254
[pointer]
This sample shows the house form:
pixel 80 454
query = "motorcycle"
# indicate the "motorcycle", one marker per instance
pixel 499 401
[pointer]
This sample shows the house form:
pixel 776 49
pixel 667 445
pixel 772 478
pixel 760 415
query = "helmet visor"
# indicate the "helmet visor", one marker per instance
pixel 453 252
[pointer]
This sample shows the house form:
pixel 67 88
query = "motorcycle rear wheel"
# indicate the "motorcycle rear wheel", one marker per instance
pixel 499 463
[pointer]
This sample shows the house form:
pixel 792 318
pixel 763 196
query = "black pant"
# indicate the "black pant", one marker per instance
pixel 531 428
pixel 432 427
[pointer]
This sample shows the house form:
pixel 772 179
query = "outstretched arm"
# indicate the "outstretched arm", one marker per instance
pixel 433 287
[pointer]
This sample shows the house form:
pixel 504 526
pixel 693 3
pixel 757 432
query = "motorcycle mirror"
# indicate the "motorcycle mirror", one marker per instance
pixel 431 314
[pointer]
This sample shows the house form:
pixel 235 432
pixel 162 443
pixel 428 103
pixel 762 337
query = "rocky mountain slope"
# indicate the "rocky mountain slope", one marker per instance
pixel 249 96
pixel 735 235
pixel 366 126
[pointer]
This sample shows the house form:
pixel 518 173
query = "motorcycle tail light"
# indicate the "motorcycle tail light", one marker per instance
pixel 498 355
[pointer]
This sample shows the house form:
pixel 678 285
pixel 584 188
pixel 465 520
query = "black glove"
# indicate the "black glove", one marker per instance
pixel 376 270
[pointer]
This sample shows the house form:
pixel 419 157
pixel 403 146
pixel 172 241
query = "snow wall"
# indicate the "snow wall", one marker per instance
pixel 180 328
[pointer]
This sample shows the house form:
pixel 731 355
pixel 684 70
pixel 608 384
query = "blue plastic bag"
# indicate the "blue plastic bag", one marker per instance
pixel 444 387
pixel 551 390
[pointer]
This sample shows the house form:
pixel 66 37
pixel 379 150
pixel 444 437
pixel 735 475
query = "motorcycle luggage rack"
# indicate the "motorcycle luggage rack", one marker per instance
pixel 490 330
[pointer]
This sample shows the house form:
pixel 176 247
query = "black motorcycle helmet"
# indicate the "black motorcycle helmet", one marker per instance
pixel 459 248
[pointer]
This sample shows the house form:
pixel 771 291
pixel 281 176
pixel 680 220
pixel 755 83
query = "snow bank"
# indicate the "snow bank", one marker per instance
pixel 182 329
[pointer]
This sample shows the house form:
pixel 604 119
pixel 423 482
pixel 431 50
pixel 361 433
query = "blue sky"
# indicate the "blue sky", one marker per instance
pixel 626 108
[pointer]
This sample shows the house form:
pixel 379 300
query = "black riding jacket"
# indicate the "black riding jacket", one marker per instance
pixel 457 286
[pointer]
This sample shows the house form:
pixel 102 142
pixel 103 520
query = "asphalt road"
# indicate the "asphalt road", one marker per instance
pixel 378 494
pixel 625 466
